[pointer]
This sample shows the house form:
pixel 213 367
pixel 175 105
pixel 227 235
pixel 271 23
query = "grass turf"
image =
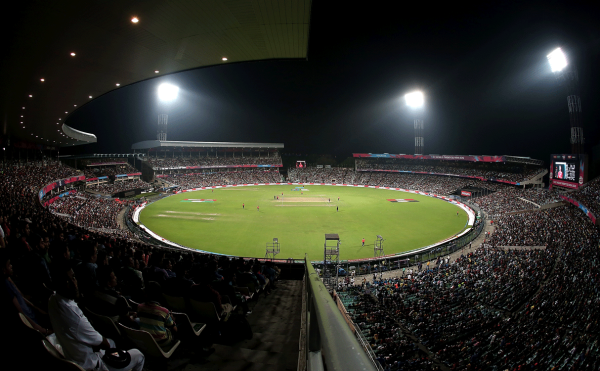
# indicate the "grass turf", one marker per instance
pixel 301 219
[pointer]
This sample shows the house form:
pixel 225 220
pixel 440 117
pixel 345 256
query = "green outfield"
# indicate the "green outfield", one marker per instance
pixel 300 219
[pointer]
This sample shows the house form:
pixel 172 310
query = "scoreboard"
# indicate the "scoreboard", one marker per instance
pixel 568 171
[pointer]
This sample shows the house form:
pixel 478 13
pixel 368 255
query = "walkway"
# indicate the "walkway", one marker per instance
pixel 275 320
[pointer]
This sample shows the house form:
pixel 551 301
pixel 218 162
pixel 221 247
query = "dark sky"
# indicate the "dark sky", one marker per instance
pixel 488 86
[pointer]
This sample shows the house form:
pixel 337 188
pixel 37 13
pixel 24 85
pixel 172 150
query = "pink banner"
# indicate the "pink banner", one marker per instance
pixel 465 193
pixel 582 207
pixel 434 157
pixel 564 183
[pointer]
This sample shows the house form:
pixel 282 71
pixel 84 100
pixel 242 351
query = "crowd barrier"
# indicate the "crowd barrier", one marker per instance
pixel 329 344
pixel 583 208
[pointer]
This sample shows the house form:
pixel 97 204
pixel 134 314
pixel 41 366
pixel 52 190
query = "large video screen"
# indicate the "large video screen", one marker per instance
pixel 568 171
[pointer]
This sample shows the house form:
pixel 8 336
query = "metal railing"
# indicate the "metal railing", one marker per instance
pixel 408 258
pixel 330 344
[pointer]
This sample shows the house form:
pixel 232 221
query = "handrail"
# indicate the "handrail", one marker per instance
pixel 330 343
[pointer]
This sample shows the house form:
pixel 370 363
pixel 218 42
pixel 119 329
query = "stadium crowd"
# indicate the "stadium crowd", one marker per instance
pixel 35 175
pixel 321 175
pixel 88 211
pixel 503 198
pixel 589 195
pixel 487 171
pixel 182 162
pixel 41 252
pixel 189 181
pixel 491 308
pixel 118 186
pixel 503 201
pixel 509 199
pixel 108 170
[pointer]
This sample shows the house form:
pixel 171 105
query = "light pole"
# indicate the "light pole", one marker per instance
pixel 567 76
pixel 166 94
pixel 415 100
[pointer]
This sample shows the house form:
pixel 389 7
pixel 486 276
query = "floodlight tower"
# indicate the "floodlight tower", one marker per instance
pixel 415 100
pixel 566 75
pixel 167 93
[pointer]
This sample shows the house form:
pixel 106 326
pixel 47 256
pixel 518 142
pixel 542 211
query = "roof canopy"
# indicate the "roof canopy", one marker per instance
pixel 147 144
pixel 68 53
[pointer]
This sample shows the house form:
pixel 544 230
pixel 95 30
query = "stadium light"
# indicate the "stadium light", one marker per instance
pixel 414 99
pixel 167 92
pixel 557 60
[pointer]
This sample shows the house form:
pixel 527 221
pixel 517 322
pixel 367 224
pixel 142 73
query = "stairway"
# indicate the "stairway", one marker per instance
pixel 275 321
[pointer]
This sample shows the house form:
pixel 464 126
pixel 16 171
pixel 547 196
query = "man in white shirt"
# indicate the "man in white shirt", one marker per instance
pixel 74 332
pixel 1 235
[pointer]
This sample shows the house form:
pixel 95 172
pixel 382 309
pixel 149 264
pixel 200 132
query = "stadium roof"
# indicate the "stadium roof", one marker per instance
pixel 68 53
pixel 147 144
pixel 472 158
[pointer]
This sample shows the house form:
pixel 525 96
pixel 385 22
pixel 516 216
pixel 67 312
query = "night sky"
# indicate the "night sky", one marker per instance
pixel 488 87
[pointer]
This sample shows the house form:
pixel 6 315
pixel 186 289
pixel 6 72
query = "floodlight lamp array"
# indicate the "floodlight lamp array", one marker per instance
pixel 167 92
pixel 414 99
pixel 557 60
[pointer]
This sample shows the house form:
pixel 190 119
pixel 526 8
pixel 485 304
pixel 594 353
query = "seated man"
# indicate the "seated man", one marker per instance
pixel 154 318
pixel 86 271
pixel 270 273
pixel 203 291
pixel 80 342
pixel 20 304
pixel 132 281
pixel 261 278
pixel 244 274
pixel 107 301
pixel 180 284
pixel 167 265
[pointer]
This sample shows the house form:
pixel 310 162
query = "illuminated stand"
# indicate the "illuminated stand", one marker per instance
pixel 331 260
pixel 567 76
pixel 378 249
pixel 415 100
pixel 272 249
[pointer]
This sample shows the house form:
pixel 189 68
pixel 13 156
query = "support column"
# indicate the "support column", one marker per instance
pixel 419 140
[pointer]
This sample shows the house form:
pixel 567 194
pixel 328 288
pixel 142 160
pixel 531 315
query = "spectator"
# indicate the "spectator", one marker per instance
pixel 154 318
pixel 107 301
pixel 80 342
pixel 86 271
pixel 15 300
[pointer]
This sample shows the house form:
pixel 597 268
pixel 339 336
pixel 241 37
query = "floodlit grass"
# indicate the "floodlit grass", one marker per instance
pixel 224 227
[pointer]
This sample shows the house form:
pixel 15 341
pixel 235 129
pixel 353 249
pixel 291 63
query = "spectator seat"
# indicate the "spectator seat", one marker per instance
pixel 56 355
pixel 146 343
